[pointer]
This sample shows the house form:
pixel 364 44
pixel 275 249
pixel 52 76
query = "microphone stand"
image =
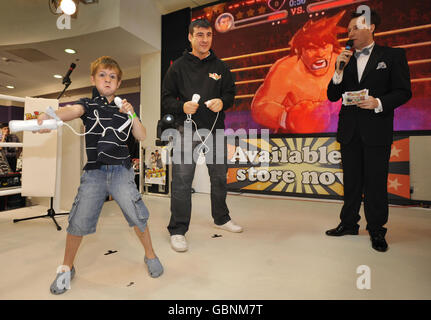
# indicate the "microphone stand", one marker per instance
pixel 67 82
pixel 51 212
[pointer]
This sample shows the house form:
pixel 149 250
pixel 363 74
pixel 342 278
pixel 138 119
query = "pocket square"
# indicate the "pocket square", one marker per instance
pixel 381 65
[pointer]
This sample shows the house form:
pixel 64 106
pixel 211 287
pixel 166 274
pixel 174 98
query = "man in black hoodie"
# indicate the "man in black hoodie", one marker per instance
pixel 198 72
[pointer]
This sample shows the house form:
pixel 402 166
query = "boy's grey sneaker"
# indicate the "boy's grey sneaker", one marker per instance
pixel 155 268
pixel 60 286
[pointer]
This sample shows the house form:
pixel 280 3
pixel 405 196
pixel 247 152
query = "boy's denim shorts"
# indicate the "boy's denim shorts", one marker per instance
pixel 96 185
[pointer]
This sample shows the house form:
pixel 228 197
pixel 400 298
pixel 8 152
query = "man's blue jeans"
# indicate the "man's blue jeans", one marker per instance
pixel 181 196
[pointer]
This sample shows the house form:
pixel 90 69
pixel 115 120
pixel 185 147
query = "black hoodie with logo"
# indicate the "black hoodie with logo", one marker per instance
pixel 209 77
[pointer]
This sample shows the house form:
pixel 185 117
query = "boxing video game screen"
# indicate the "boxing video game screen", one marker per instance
pixel 282 54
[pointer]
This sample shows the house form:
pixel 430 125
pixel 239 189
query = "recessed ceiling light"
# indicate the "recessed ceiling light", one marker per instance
pixel 10 87
pixel 71 51
pixel 57 76
pixel 68 7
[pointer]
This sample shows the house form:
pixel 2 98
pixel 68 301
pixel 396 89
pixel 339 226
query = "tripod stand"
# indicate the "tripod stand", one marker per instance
pixel 51 212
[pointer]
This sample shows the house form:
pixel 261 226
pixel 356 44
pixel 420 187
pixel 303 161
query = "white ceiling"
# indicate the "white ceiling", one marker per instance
pixel 36 78
pixel 174 5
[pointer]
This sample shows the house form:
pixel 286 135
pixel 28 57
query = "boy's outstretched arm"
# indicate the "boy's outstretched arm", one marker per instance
pixel 67 113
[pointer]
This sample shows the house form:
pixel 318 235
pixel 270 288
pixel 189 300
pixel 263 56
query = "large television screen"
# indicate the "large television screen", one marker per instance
pixel 282 53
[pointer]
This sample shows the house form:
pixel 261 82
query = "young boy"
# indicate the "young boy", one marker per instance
pixel 109 169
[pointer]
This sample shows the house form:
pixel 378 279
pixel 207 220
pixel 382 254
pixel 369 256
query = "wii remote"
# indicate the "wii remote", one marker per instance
pixel 31 125
pixel 118 102
pixel 196 98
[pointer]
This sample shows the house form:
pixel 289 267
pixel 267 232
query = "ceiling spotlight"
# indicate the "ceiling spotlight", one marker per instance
pixel 68 7
pixel 57 76
pixel 10 87
pixel 71 51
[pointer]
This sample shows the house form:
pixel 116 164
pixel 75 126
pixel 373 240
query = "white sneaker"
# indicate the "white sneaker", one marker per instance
pixel 229 226
pixel 178 243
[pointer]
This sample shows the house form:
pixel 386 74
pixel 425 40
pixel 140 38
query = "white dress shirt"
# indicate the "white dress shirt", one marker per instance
pixel 362 61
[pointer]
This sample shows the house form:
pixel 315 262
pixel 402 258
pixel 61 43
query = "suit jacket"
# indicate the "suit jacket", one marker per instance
pixel 387 77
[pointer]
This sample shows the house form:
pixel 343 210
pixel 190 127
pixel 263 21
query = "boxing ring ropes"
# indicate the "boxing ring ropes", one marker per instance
pixel 55 199
pixel 380 34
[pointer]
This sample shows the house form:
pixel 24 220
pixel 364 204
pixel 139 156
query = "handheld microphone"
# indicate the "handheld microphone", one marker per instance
pixel 349 45
pixel 66 77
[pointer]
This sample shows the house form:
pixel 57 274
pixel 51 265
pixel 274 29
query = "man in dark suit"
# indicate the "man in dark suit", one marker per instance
pixel 365 129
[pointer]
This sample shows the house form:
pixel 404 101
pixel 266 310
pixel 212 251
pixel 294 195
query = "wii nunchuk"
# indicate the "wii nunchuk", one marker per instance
pixel 119 103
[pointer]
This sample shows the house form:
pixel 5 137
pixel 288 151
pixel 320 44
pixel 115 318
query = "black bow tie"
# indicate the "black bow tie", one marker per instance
pixel 365 51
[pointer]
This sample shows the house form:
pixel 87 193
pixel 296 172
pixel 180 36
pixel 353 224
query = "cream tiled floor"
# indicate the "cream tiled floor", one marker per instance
pixel 282 254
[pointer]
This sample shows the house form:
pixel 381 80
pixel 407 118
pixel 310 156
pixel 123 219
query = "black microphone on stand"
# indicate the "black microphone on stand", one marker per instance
pixel 349 45
pixel 66 77
pixel 66 80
